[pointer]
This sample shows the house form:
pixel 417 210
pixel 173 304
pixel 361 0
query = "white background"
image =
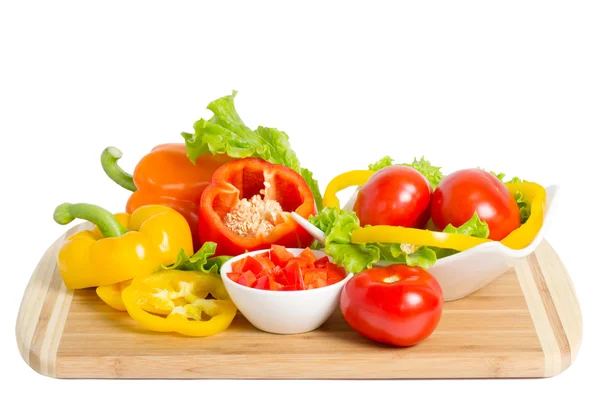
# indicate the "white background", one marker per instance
pixel 512 86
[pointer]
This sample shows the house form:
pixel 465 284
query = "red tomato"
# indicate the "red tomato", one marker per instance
pixel 398 304
pixel 464 192
pixel 396 195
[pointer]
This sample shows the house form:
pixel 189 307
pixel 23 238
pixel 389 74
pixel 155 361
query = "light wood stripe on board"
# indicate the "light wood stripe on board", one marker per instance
pixel 44 311
pixel 535 282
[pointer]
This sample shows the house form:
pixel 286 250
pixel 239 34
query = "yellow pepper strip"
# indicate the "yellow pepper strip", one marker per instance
pixel 416 236
pixel 174 301
pixel 120 247
pixel 343 181
pixel 526 233
pixel 111 294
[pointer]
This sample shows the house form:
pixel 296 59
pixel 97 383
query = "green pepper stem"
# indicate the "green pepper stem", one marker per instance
pixel 109 159
pixel 106 222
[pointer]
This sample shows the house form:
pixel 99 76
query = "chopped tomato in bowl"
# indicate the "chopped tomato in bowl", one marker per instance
pixel 284 290
pixel 279 269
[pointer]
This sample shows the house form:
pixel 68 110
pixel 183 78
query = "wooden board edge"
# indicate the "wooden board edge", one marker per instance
pixel 553 306
pixel 564 297
pixel 43 311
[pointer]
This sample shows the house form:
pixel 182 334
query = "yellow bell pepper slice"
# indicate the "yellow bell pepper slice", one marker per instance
pixel 526 233
pixel 111 294
pixel 343 181
pixel 518 239
pixel 415 236
pixel 120 247
pixel 175 301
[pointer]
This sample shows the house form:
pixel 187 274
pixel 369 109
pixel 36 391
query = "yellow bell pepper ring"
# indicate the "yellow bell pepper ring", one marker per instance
pixel 175 301
pixel 111 294
pixel 415 236
pixel 343 181
pixel 120 247
pixel 526 233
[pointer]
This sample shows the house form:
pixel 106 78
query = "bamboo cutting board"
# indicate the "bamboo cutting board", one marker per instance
pixel 527 323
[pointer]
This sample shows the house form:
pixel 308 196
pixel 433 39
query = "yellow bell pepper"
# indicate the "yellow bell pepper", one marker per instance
pixel 174 301
pixel 120 247
pixel 518 239
pixel 526 233
pixel 343 181
pixel 111 294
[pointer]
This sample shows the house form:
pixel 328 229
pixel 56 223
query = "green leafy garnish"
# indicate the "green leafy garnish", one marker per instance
pixel 474 227
pixel 432 173
pixel 338 225
pixel 226 133
pixel 202 260
pixel 384 162
pixel 524 206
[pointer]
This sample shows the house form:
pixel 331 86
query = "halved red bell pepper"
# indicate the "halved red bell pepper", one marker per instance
pixel 246 178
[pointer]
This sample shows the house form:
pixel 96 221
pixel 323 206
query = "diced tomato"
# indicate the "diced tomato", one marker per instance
pixel 234 276
pixel 273 285
pixel 302 262
pixel 333 281
pixel 247 263
pixel 247 278
pixel 252 264
pixel 238 266
pixel 265 261
pixel 279 255
pixel 311 274
pixel 279 276
pixel 262 283
pixel 293 274
pixel 278 269
pixel 322 262
pixel 318 282
pixel 308 255
pixel 335 272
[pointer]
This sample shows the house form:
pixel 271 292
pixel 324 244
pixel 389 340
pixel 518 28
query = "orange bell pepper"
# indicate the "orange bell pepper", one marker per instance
pixel 165 176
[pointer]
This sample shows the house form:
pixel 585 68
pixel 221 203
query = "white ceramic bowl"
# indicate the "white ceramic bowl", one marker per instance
pixel 285 312
pixel 463 273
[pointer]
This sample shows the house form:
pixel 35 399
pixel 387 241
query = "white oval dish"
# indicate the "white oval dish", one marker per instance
pixel 289 312
pixel 463 273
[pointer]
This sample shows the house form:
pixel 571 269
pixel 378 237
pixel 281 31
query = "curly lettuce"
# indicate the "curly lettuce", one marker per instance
pixel 203 260
pixel 475 227
pixel 432 173
pixel 226 133
pixel 338 225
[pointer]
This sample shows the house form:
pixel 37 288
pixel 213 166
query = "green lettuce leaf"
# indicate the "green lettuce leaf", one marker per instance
pixel 338 226
pixel 432 173
pixel 384 162
pixel 524 206
pixel 202 260
pixel 474 227
pixel 502 175
pixel 226 133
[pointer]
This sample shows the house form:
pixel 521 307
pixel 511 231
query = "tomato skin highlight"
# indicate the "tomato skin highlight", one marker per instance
pixel 402 311
pixel 464 192
pixel 395 195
